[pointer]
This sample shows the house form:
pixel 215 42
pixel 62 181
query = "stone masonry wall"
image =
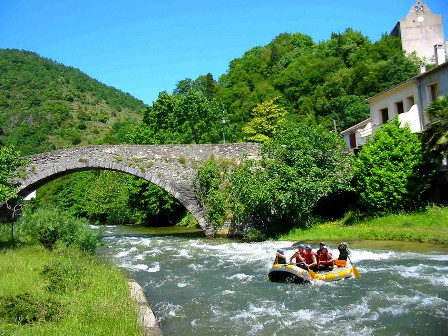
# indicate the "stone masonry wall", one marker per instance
pixel 171 167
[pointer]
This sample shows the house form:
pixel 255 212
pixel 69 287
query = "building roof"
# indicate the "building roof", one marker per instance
pixel 356 127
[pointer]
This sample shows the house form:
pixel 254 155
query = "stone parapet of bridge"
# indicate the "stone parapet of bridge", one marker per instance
pixel 171 167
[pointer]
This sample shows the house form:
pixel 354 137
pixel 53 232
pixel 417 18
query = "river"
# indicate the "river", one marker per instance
pixel 202 286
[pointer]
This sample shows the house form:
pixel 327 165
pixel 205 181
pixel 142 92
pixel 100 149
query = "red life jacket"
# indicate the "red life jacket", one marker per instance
pixel 298 256
pixel 324 258
pixel 308 257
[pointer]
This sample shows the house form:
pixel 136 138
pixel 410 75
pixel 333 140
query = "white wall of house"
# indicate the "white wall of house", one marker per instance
pixel 356 135
pixel 401 100
pixel 411 119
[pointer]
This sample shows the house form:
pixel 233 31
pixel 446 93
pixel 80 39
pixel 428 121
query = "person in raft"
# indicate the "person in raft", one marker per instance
pixel 343 255
pixel 298 255
pixel 280 257
pixel 325 260
pixel 310 258
pixel 321 245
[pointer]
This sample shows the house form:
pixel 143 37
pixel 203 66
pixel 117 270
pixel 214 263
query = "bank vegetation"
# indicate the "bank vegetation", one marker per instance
pixel 53 284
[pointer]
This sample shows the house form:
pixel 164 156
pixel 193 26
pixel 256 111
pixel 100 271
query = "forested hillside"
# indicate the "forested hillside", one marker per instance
pixel 317 81
pixel 314 82
pixel 45 105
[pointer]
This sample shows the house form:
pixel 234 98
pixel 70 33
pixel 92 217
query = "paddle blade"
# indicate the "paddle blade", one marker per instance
pixel 356 272
pixel 340 263
pixel 312 274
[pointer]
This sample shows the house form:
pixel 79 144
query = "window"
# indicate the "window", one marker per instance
pixel 400 107
pixel 433 91
pixel 353 140
pixel 384 114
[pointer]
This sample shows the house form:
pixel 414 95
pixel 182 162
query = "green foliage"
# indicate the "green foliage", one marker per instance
pixel 26 309
pixel 151 205
pixel 436 134
pixel 107 198
pixel 51 226
pixel 391 170
pixel 65 275
pixel 210 189
pixel 265 118
pixel 188 221
pixel 186 118
pixel 9 163
pixel 301 164
pixel 112 198
pixel 63 292
pixel 430 225
pixel 45 105
pixel 322 82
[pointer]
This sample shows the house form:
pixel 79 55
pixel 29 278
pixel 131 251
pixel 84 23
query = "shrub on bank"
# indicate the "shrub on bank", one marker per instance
pixel 51 226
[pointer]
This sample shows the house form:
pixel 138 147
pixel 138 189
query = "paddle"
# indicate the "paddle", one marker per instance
pixel 340 263
pixel 355 270
pixel 312 274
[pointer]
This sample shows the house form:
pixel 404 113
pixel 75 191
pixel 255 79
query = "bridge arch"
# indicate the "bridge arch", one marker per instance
pixel 171 167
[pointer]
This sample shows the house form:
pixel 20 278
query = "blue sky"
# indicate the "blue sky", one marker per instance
pixel 145 47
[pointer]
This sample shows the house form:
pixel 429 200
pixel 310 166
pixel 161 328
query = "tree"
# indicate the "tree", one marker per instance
pixel 265 118
pixel 180 118
pixel 10 161
pixel 300 164
pixel 390 172
pixel 436 135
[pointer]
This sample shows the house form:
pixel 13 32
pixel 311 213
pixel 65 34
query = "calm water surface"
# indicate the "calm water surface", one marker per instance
pixel 201 286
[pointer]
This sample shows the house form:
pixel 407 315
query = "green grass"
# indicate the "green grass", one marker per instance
pixel 429 226
pixel 93 297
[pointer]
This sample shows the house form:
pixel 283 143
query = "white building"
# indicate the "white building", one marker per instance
pixel 407 100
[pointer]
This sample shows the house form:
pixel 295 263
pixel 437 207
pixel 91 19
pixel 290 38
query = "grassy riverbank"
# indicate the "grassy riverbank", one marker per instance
pixel 63 292
pixel 429 226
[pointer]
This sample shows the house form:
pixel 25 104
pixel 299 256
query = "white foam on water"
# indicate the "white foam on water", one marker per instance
pixel 167 309
pixel 437 257
pixel 302 315
pixel 361 310
pixel 439 280
pixel 256 328
pixel 227 292
pixel 182 284
pixel 184 254
pixel 140 267
pixel 122 254
pixel 359 255
pixel 126 252
pixel 139 257
pixel 154 268
pixel 240 276
pixel 196 267
pixel 253 312
pixel 216 311
pixel 436 275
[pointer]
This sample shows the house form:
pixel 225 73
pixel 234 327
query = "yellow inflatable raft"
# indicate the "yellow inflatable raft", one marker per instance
pixel 292 273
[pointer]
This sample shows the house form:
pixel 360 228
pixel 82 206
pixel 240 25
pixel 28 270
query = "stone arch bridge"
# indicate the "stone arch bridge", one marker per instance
pixel 171 167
